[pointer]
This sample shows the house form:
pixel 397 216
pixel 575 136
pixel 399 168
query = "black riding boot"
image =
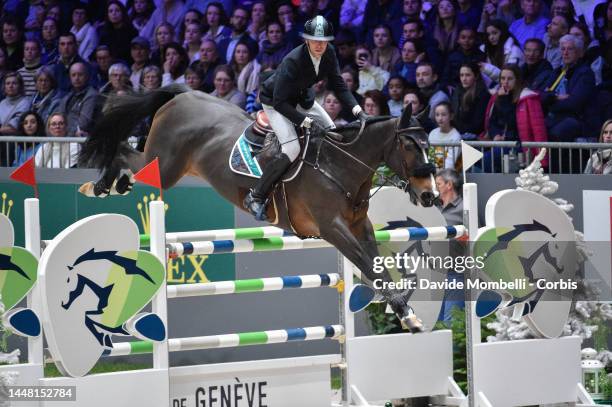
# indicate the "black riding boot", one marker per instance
pixel 256 200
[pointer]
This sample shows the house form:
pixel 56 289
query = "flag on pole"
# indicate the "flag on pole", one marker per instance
pixel 26 174
pixel 470 156
pixel 150 175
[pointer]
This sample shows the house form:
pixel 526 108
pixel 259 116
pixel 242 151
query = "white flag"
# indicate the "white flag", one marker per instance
pixel 470 156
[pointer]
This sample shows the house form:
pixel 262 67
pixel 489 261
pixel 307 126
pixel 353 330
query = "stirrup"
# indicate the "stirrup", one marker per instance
pixel 256 207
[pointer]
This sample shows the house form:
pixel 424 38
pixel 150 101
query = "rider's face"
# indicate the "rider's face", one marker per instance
pixel 317 48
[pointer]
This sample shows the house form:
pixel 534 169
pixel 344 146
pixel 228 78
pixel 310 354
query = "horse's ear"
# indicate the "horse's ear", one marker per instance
pixel 406 116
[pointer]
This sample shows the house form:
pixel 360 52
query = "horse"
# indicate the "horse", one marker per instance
pixel 192 133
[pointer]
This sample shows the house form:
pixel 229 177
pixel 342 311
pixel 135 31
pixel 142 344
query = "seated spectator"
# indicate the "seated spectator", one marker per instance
pixel 30 125
pixel 225 87
pixel 351 79
pixel 469 102
pixel 564 8
pixel 419 109
pixel 601 161
pixel 385 54
pixel 536 70
pixel 514 113
pixel 444 157
pixel 103 61
pixel 593 49
pixel 47 97
pixel 192 16
pixel 558 27
pixel 500 48
pixel 375 103
pixel 345 45
pixel 307 9
pixel 569 90
pixel 57 155
pixel 12 39
pixel 605 87
pixel 117 31
pixel 84 31
pixel 170 11
pixel 411 10
pixel 330 10
pixel 79 104
pixel 151 78
pixel 68 55
pixel 489 13
pixel 427 82
pixel 332 106
pixel 11 109
pixel 164 34
pixel 139 52
pixel 274 47
pixel 287 16
pixel 174 64
pixel 253 104
pixel 466 52
pixel 603 21
pixel 412 54
pixel 370 77
pixel 533 23
pixel 194 77
pixel 140 13
pixel 118 80
pixel 238 23
pixel 3 70
pixel 468 14
pixel 215 28
pixel 415 30
pixel 50 41
pixel 209 60
pixel 192 42
pixel 351 14
pixel 446 29
pixel 31 64
pixel 245 67
pixel 257 28
pixel 34 20
pixel 379 12
pixel 396 88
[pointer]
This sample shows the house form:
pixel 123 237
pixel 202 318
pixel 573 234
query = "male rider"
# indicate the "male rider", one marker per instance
pixel 288 99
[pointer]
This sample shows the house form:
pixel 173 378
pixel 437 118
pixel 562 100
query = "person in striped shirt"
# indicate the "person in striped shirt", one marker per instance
pixel 31 64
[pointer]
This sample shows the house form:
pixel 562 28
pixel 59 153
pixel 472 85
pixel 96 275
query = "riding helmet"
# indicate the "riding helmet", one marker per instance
pixel 319 29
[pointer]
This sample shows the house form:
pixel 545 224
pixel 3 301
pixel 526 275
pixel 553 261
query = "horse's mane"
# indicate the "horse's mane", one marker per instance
pixel 356 125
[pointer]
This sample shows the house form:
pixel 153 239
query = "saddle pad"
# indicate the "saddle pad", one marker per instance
pixel 243 159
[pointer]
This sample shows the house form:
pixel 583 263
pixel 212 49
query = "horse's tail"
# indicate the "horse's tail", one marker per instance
pixel 120 115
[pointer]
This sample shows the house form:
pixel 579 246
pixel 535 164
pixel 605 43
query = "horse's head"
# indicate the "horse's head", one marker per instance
pixel 407 157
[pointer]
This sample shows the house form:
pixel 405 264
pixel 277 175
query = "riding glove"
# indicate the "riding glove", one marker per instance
pixel 316 130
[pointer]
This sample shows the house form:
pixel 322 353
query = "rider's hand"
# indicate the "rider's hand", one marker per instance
pixel 363 116
pixel 316 130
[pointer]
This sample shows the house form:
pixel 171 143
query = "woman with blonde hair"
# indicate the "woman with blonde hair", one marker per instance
pixel 601 161
pixel 57 155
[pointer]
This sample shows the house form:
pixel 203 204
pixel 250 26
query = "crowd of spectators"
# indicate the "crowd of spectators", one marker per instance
pixel 514 70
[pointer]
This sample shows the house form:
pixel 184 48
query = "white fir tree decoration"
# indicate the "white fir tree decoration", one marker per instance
pixel 7 378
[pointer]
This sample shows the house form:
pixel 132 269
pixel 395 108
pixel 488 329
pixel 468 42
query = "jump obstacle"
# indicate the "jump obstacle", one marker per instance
pixel 376 367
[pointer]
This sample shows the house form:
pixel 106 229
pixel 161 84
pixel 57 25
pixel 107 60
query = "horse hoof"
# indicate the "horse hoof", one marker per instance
pixel 123 185
pixel 412 323
pixel 88 189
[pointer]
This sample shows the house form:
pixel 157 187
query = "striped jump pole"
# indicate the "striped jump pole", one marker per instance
pixel 220 234
pixel 231 340
pixel 253 285
pixel 295 243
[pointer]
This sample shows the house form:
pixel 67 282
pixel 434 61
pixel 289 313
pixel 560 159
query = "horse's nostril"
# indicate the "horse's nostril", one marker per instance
pixel 428 198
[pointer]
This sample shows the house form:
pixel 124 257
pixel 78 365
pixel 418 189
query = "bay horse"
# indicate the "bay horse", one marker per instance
pixel 193 133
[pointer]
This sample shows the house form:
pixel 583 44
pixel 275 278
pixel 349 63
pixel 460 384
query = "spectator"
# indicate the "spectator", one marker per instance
pixel 245 67
pixel 601 161
pixel 253 104
pixel 345 45
pixel 119 80
pixel 427 82
pixel 468 14
pixel 215 28
pixel 414 30
pixel 332 106
pixel 351 14
pixel 489 12
pixel 30 125
pixel 11 109
pixel 257 28
pixel 536 70
pixel 330 10
pixel 514 113
pixel 47 97
pixel 532 25
pixel 351 79
pixel 170 11
pixel 570 89
pixel 396 87
pixel 603 23
pixel 274 47
pixel 501 48
pixel 84 31
pixel 34 20
pixel 209 60
pixel 151 78
pixel 370 77
pixel 192 16
pixel 593 49
pixel 558 27
pixel 564 8
pixel 174 64
pixel 385 54
pixel 117 31
pixel 140 13
pixel 12 39
pixel 164 33
pixel 139 52
pixel 193 36
pixel 57 155
pixel 411 56
pixel 444 157
pixel 31 64
pixel 287 17
pixel 307 10
pixel 67 56
pixel 379 12
pixel 194 77
pixel 411 10
pixel 469 102
pixel 239 23
pixel 225 87
pixel 3 69
pixel 78 105
pixel 446 29
pixel 605 87
pixel 375 103
pixel 104 60
pixel 419 109
pixel 50 36
pixel 466 52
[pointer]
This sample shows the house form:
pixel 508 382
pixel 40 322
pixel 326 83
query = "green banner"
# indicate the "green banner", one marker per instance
pixel 187 208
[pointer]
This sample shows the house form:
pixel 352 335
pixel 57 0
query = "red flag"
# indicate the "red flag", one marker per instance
pixel 150 175
pixel 26 174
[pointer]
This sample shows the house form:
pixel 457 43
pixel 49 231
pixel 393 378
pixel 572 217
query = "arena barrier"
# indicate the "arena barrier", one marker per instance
pixel 376 367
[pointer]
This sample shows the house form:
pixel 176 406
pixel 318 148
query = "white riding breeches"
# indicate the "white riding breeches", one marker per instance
pixel 285 131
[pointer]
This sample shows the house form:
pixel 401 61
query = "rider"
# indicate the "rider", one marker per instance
pixel 288 99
